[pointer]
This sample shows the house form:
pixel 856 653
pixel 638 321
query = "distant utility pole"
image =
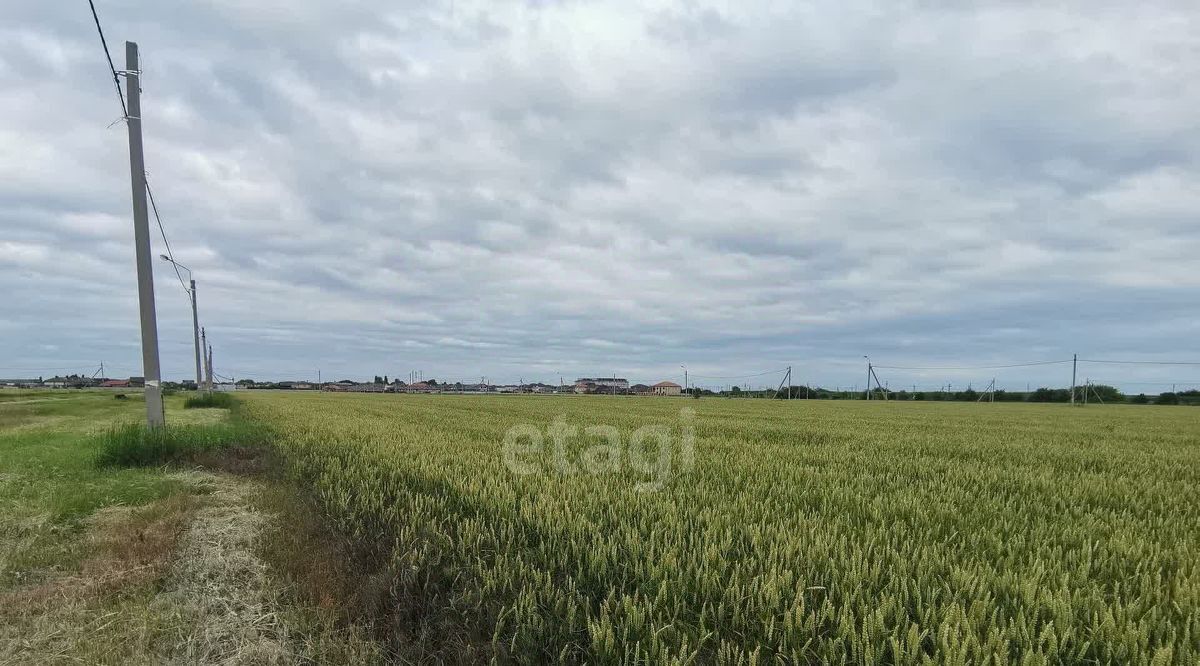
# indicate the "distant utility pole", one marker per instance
pixel 868 376
pixel 196 333
pixel 1074 363
pixel 989 392
pixel 787 379
pixel 141 240
pixel 208 379
pixel 195 315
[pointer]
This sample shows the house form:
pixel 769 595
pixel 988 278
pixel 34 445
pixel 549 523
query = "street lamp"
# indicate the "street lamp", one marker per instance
pixel 195 316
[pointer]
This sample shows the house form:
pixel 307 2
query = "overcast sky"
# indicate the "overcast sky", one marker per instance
pixel 523 190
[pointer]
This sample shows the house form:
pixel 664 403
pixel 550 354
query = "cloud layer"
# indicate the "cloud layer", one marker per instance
pixel 545 188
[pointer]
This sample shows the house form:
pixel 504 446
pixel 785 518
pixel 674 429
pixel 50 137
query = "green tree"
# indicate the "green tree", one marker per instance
pixel 1104 392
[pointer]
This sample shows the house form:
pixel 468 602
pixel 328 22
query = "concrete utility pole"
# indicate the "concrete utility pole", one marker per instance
pixel 868 376
pixel 195 316
pixel 1074 363
pixel 207 367
pixel 141 239
pixel 196 333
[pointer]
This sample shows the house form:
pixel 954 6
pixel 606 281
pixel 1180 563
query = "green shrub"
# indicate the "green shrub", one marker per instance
pixel 209 400
pixel 135 445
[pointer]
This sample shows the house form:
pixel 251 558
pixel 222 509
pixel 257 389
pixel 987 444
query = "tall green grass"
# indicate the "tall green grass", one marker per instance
pixel 209 400
pixel 135 445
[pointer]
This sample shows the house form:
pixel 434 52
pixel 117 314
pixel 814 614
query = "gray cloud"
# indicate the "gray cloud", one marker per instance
pixel 530 189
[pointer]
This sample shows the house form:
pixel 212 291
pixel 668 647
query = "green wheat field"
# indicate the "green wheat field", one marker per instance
pixel 754 531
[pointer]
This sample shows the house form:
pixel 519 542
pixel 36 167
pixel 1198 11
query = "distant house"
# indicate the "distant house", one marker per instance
pixel 115 383
pixel 667 388
pixel 69 381
pixel 641 389
pixel 21 383
pixel 601 385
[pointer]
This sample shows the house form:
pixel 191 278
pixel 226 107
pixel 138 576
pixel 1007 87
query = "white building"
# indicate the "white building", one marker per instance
pixel 667 388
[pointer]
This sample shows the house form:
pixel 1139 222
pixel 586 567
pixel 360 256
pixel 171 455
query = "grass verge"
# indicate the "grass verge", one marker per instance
pixel 135 445
pixel 209 401
pixel 166 552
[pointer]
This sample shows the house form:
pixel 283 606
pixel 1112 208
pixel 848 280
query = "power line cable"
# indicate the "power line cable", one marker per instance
pixel 971 367
pixel 125 113
pixel 108 56
pixel 1164 383
pixel 758 374
pixel 161 230
pixel 1092 360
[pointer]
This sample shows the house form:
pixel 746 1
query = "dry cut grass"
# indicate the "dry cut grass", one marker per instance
pixel 94 614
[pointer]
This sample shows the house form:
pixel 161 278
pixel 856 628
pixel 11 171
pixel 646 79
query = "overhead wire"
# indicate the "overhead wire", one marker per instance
pixel 108 56
pixel 972 366
pixel 758 374
pixel 125 113
pixel 1092 360
pixel 163 232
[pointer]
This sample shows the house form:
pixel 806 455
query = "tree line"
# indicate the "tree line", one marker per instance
pixel 1099 393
